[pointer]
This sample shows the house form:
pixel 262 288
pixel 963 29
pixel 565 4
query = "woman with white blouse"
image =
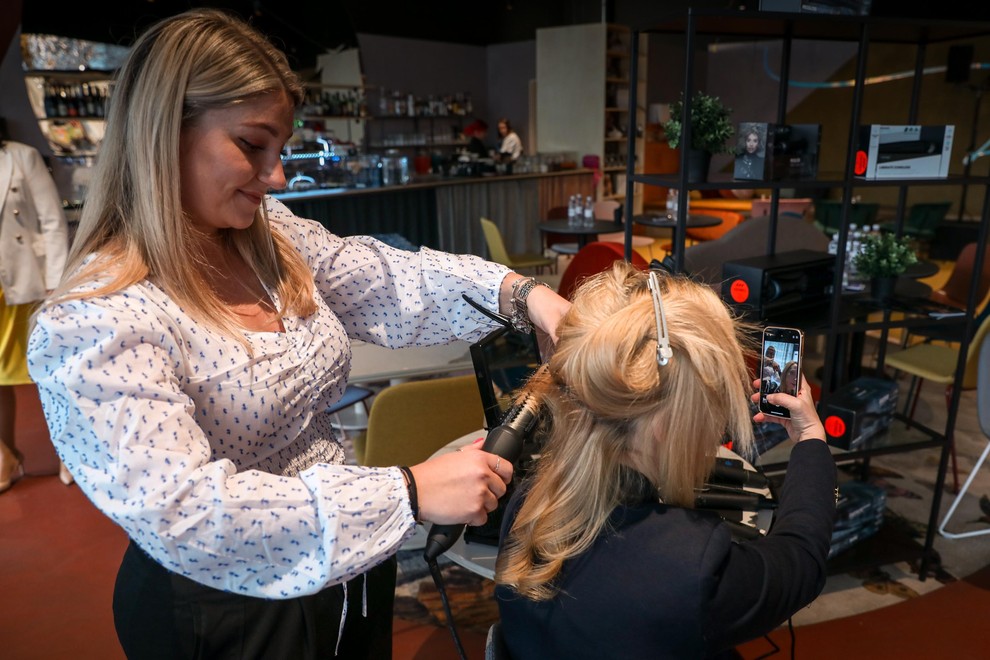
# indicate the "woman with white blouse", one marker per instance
pixel 187 358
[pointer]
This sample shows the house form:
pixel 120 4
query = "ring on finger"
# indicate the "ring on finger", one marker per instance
pixel 498 462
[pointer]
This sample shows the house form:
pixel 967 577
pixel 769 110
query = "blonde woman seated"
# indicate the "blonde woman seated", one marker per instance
pixel 602 554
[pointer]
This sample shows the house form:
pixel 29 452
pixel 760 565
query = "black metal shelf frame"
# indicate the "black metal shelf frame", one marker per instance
pixel 863 30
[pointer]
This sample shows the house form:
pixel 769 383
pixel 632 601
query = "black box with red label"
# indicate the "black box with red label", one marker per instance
pixel 780 285
pixel 858 411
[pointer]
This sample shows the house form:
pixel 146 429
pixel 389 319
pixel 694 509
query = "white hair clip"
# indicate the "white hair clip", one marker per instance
pixel 664 352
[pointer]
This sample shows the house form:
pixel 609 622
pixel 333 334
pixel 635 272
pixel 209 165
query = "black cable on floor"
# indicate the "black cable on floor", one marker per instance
pixel 438 580
pixel 776 649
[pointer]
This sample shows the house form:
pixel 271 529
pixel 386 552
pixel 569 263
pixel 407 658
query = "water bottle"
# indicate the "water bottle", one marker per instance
pixel 589 213
pixel 671 203
pixel 572 211
pixel 833 244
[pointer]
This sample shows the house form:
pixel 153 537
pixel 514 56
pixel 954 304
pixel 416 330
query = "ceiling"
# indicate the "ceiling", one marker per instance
pixel 308 28
pixel 305 29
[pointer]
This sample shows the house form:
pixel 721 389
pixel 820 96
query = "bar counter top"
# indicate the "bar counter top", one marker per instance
pixel 445 213
pixel 419 182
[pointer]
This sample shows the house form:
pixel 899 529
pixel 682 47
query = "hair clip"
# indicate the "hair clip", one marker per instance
pixel 664 352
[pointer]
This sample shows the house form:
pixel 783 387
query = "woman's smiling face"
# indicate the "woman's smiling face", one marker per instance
pixel 230 157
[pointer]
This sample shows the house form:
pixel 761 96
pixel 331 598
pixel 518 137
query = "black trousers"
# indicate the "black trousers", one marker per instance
pixel 160 614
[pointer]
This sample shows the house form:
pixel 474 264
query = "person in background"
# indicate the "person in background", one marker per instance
pixel 771 371
pixel 510 146
pixel 34 241
pixel 188 356
pixel 602 554
pixel 477 132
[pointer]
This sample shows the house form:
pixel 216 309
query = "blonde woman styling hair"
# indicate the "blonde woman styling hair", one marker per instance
pixel 187 360
pixel 603 537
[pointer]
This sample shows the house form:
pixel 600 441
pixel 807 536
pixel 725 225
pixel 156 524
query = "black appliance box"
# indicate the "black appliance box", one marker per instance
pixel 778 285
pixel 858 411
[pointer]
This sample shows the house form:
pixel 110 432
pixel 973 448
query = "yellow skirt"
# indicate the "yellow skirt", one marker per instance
pixel 14 324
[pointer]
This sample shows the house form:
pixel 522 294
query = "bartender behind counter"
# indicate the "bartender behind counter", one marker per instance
pixel 476 132
pixel 510 147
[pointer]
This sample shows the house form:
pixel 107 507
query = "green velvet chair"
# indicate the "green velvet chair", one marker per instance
pixel 921 222
pixel 828 214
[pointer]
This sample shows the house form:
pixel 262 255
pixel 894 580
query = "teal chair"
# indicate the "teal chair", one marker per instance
pixel 921 221
pixel 828 214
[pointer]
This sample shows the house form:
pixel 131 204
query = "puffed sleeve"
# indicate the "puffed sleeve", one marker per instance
pixel 395 297
pixel 109 373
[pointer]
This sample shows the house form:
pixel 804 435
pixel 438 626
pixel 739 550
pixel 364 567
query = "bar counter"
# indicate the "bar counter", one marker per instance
pixel 444 213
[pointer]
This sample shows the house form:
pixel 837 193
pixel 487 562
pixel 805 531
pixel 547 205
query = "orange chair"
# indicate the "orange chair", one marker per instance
pixel 594 258
pixel 729 220
pixel 956 289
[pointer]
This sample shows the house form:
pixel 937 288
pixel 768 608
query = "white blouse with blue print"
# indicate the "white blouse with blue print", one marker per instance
pixel 224 466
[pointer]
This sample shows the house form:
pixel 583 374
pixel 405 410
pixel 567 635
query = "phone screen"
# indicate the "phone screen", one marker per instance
pixel 780 366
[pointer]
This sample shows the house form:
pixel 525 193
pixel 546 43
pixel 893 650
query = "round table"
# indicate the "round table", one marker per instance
pixel 921 269
pixel 662 221
pixel 584 234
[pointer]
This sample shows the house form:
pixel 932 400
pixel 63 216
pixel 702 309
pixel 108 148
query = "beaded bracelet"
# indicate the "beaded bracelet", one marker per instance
pixel 411 487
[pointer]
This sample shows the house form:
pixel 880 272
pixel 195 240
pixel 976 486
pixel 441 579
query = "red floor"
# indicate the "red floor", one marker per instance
pixel 59 558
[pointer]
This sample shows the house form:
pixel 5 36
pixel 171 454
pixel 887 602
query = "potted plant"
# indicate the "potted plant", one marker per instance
pixel 882 258
pixel 711 130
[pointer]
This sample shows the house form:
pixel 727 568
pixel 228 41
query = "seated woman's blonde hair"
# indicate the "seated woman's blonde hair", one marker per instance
pixel 624 426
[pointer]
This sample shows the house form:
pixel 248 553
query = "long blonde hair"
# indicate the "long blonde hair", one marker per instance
pixel 132 223
pixel 622 425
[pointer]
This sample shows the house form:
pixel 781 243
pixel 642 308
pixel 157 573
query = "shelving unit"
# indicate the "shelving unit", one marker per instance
pixel 428 132
pixel 75 132
pixel 847 316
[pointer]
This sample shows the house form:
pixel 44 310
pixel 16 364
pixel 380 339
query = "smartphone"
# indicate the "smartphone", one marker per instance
pixel 780 366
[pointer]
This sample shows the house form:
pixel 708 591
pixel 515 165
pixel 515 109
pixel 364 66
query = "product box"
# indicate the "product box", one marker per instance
pixel 903 152
pixel 794 151
pixel 858 411
pixel 797 282
pixel 752 163
pixel 776 152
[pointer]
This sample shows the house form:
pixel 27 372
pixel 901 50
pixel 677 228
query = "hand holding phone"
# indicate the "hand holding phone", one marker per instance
pixel 780 366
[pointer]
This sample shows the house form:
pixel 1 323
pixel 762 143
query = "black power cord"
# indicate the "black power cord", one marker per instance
pixel 438 580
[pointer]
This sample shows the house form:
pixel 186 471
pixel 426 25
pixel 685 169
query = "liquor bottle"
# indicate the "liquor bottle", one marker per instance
pixel 51 109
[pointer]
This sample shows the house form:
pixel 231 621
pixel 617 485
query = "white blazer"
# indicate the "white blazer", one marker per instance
pixel 34 234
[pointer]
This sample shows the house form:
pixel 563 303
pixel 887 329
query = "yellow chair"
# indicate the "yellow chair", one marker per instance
pixel 937 363
pixel 410 421
pixel 499 254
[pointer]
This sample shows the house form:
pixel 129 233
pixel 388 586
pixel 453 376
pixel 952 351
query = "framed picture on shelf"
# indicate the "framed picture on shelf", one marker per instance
pixel 751 151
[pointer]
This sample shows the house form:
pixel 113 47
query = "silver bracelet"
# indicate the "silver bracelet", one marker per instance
pixel 521 289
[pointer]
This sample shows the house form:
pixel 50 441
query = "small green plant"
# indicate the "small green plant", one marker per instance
pixel 711 128
pixel 884 256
